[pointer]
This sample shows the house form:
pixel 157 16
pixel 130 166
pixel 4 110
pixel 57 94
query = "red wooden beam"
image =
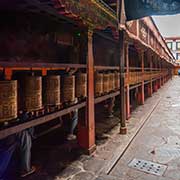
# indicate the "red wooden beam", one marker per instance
pixel 38 121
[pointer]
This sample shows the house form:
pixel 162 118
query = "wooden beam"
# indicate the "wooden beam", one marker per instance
pixel 103 98
pixel 38 65
pixel 38 121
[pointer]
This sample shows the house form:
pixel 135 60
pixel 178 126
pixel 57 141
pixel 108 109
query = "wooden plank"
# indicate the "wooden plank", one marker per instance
pixel 103 98
pixel 38 121
pixel 4 63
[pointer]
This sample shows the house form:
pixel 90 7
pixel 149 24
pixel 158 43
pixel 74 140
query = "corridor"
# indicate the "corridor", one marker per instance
pixel 158 141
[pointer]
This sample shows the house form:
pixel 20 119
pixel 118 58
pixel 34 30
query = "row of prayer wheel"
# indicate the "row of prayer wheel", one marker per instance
pixel 106 82
pixel 31 93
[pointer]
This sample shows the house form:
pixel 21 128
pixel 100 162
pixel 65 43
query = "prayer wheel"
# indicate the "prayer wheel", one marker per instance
pixel 8 100
pixel 32 93
pixel 81 85
pixel 98 84
pixel 51 88
pixel 68 89
pixel 117 80
pixel 106 87
pixel 111 81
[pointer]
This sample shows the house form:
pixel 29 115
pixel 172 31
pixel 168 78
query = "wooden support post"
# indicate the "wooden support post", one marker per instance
pixel 127 87
pixel 128 111
pixel 7 73
pixel 151 84
pixel 123 128
pixel 155 86
pixel 44 72
pixel 121 21
pixel 142 83
pixel 87 130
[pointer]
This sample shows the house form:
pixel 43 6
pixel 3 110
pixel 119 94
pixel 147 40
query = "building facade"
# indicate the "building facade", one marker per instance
pixel 174 45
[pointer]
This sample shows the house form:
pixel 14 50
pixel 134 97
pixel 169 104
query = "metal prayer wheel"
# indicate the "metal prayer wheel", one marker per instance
pixel 69 88
pixel 98 84
pixel 32 93
pixel 106 79
pixel 8 100
pixel 81 85
pixel 111 81
pixel 51 90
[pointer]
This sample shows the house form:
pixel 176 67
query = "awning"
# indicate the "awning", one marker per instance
pixel 136 9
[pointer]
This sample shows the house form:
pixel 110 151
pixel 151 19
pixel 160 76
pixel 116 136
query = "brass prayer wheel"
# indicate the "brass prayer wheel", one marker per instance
pixel 106 87
pixel 51 90
pixel 81 85
pixel 68 88
pixel 8 100
pixel 117 80
pixel 32 93
pixel 111 81
pixel 98 83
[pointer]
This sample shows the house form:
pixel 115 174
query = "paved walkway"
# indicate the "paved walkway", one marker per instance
pixel 157 141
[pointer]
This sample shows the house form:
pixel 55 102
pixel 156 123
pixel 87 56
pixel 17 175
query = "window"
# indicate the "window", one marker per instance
pixel 177 45
pixel 178 56
pixel 169 44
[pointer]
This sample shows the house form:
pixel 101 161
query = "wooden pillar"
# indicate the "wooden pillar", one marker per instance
pixel 7 73
pixel 127 87
pixel 160 73
pixel 44 72
pixel 150 86
pixel 87 130
pixel 123 128
pixel 142 83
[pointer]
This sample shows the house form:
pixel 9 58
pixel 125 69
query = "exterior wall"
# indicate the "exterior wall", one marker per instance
pixel 174 50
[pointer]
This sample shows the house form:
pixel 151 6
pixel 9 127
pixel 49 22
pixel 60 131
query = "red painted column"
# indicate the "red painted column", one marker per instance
pixel 8 73
pixel 87 129
pixel 142 84
pixel 128 111
pixel 151 84
pixel 155 86
pixel 127 87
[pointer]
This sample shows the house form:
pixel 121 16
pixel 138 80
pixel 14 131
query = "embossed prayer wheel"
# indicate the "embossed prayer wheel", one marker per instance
pixel 32 93
pixel 68 88
pixel 98 84
pixel 8 100
pixel 106 87
pixel 111 81
pixel 51 90
pixel 81 85
pixel 117 80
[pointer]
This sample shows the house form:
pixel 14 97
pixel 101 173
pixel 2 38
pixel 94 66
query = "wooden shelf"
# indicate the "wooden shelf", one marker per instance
pixel 103 98
pixel 38 121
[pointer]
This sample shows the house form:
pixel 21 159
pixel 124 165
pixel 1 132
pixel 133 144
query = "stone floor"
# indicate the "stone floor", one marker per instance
pixel 153 134
pixel 158 141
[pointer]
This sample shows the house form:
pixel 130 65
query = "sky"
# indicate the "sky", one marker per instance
pixel 168 25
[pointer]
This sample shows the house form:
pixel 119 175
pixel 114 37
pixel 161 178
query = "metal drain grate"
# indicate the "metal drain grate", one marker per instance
pixel 148 167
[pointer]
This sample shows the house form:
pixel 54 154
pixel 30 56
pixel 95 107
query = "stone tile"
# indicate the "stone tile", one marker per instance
pixel 107 177
pixel 83 176
pixel 93 165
